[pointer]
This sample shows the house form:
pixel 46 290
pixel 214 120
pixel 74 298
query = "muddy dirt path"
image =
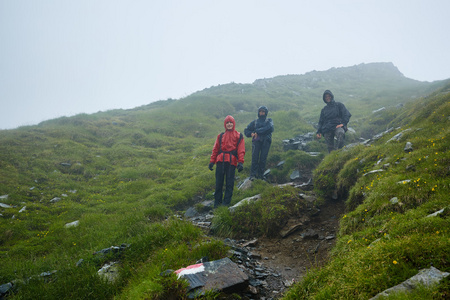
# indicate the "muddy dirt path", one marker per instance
pixel 306 248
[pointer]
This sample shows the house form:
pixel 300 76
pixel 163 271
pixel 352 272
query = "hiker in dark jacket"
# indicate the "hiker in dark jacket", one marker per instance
pixel 261 132
pixel 333 121
pixel 228 154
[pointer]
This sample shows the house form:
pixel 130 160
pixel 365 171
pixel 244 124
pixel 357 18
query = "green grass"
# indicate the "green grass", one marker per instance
pixel 124 174
pixel 382 243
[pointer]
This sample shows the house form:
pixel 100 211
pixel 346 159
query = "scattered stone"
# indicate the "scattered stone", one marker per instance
pixel 398 136
pixel 378 110
pixel 205 225
pixel 66 164
pixel 3 205
pixel 288 283
pixel 280 164
pixel 112 249
pixel 253 290
pixel 435 214
pixel 380 135
pixel 5 289
pixel 306 186
pixel 394 200
pixel 286 184
pixel 291 230
pixel 245 201
pixel 408 147
pixel 254 255
pixel 251 243
pixel 426 277
pixel 3 197
pixel 223 275
pixel 295 175
pixel 46 274
pixel 299 142
pixel 246 184
pixel 374 171
pixel 72 224
pixel 22 209
pixel 56 199
pixel 109 271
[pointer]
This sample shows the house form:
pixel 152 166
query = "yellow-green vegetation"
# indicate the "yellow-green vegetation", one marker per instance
pixel 125 174
pixel 387 234
pixel 264 217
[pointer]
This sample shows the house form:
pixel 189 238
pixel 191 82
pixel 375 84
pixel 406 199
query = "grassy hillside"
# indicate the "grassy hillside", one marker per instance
pixel 123 174
pixel 383 241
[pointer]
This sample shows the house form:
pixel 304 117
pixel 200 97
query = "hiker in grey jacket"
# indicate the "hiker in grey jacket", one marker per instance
pixel 333 121
pixel 261 132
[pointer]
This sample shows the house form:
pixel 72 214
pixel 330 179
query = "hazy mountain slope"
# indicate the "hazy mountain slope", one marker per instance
pixel 121 173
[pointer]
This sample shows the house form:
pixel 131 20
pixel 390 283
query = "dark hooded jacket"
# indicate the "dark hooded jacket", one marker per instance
pixel 222 149
pixel 263 126
pixel 333 114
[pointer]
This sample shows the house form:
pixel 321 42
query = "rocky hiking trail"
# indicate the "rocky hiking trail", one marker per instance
pixel 273 264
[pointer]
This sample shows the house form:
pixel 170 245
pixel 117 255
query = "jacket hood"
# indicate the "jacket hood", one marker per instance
pixel 228 119
pixel 265 109
pixel 329 93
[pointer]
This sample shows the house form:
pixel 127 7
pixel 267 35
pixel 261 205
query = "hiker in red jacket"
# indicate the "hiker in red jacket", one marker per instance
pixel 228 154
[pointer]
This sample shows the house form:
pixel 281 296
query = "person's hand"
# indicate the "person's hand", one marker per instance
pixel 340 125
pixel 240 167
pixel 210 167
pixel 319 135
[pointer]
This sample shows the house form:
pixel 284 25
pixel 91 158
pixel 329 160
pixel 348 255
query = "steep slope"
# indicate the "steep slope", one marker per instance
pixel 397 216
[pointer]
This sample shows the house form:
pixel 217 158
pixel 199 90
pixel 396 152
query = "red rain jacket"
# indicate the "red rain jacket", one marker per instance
pixel 230 139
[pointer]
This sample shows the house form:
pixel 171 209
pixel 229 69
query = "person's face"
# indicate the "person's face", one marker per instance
pixel 262 112
pixel 327 97
pixel 229 125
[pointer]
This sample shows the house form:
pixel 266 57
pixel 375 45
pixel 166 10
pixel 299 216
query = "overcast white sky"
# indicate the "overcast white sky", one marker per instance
pixel 64 57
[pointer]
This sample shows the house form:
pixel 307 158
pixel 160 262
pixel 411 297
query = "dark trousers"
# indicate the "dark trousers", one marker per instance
pixel 224 171
pixel 260 151
pixel 339 133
